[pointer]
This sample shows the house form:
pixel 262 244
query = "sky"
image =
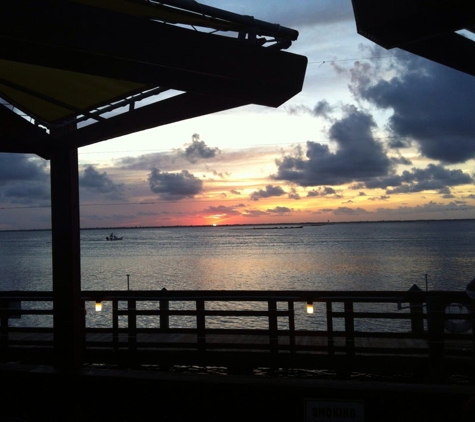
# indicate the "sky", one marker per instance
pixel 374 135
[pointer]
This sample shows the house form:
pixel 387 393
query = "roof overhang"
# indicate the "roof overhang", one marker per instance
pixel 429 29
pixel 87 71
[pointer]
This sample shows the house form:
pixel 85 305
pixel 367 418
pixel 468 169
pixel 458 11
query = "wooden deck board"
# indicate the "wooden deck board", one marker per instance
pixel 248 350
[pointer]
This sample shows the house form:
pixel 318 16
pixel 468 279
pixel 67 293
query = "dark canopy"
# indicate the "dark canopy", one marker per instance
pixel 108 68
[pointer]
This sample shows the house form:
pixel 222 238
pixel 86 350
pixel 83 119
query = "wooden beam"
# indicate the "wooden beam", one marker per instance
pixel 68 309
pixel 180 107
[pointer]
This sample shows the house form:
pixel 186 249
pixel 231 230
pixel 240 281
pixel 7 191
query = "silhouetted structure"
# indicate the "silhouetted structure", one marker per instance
pixel 426 28
pixel 73 73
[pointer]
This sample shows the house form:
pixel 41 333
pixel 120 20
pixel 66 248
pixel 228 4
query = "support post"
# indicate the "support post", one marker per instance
pixel 68 309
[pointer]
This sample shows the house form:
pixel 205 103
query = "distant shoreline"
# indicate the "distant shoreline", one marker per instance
pixel 261 225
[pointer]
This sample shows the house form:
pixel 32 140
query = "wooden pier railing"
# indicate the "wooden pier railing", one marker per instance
pixel 372 331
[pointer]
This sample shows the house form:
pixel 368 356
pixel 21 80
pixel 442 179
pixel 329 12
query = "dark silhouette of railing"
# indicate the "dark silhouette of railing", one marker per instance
pixel 241 330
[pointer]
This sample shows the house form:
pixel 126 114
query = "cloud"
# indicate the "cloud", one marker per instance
pixel 349 211
pixel 147 161
pixel 321 191
pixel 94 181
pixel 198 150
pixel 432 105
pixel 321 109
pixel 279 210
pixel 174 186
pixel 428 208
pixel 433 177
pixel 221 209
pixel 358 156
pixel 24 179
pixel 254 213
pixel 18 167
pixel 268 192
pixel 293 194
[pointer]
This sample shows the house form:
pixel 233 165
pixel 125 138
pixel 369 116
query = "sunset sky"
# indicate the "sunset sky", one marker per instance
pixel 375 134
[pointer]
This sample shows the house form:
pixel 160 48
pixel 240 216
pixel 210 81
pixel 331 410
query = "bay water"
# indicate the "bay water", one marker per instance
pixel 434 255
pixel 437 255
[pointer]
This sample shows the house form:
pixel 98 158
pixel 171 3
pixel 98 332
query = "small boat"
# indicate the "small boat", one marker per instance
pixel 112 236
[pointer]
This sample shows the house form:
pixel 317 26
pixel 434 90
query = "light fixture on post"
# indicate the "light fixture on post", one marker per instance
pixel 309 307
pixel 98 306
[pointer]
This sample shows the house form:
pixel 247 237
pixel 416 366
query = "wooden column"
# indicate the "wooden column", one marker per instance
pixel 68 310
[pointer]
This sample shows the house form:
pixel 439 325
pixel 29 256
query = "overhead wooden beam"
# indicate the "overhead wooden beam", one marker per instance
pixel 19 135
pixel 182 106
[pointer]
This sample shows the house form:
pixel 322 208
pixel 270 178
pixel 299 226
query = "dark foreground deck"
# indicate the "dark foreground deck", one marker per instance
pixel 393 355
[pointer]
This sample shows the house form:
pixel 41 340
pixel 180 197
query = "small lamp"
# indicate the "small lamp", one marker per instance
pixel 309 307
pixel 98 306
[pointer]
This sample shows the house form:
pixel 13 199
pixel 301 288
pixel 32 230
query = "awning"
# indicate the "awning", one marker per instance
pixel 122 66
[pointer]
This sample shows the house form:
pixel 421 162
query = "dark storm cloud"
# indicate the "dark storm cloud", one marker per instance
pixel 358 156
pixel 198 150
pixel 268 192
pixel 24 179
pixel 94 181
pixel 20 167
pixel 174 186
pixel 27 192
pixel 433 177
pixel 431 104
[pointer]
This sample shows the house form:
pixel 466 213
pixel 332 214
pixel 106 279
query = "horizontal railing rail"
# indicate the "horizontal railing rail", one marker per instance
pixel 252 328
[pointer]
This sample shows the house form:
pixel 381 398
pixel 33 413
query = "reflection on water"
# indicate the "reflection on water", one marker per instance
pixel 364 256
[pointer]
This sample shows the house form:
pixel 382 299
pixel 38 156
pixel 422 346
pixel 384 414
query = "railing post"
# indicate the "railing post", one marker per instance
pixel 4 313
pixel 291 326
pixel 201 324
pixel 330 334
pixel 164 315
pixel 132 328
pixel 349 328
pixel 416 311
pixel 273 340
pixel 435 327
pixel 115 324
pixel 350 338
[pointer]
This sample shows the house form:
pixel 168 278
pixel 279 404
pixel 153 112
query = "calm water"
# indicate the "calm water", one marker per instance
pixel 356 256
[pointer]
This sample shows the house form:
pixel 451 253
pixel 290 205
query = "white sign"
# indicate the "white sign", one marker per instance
pixel 333 411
